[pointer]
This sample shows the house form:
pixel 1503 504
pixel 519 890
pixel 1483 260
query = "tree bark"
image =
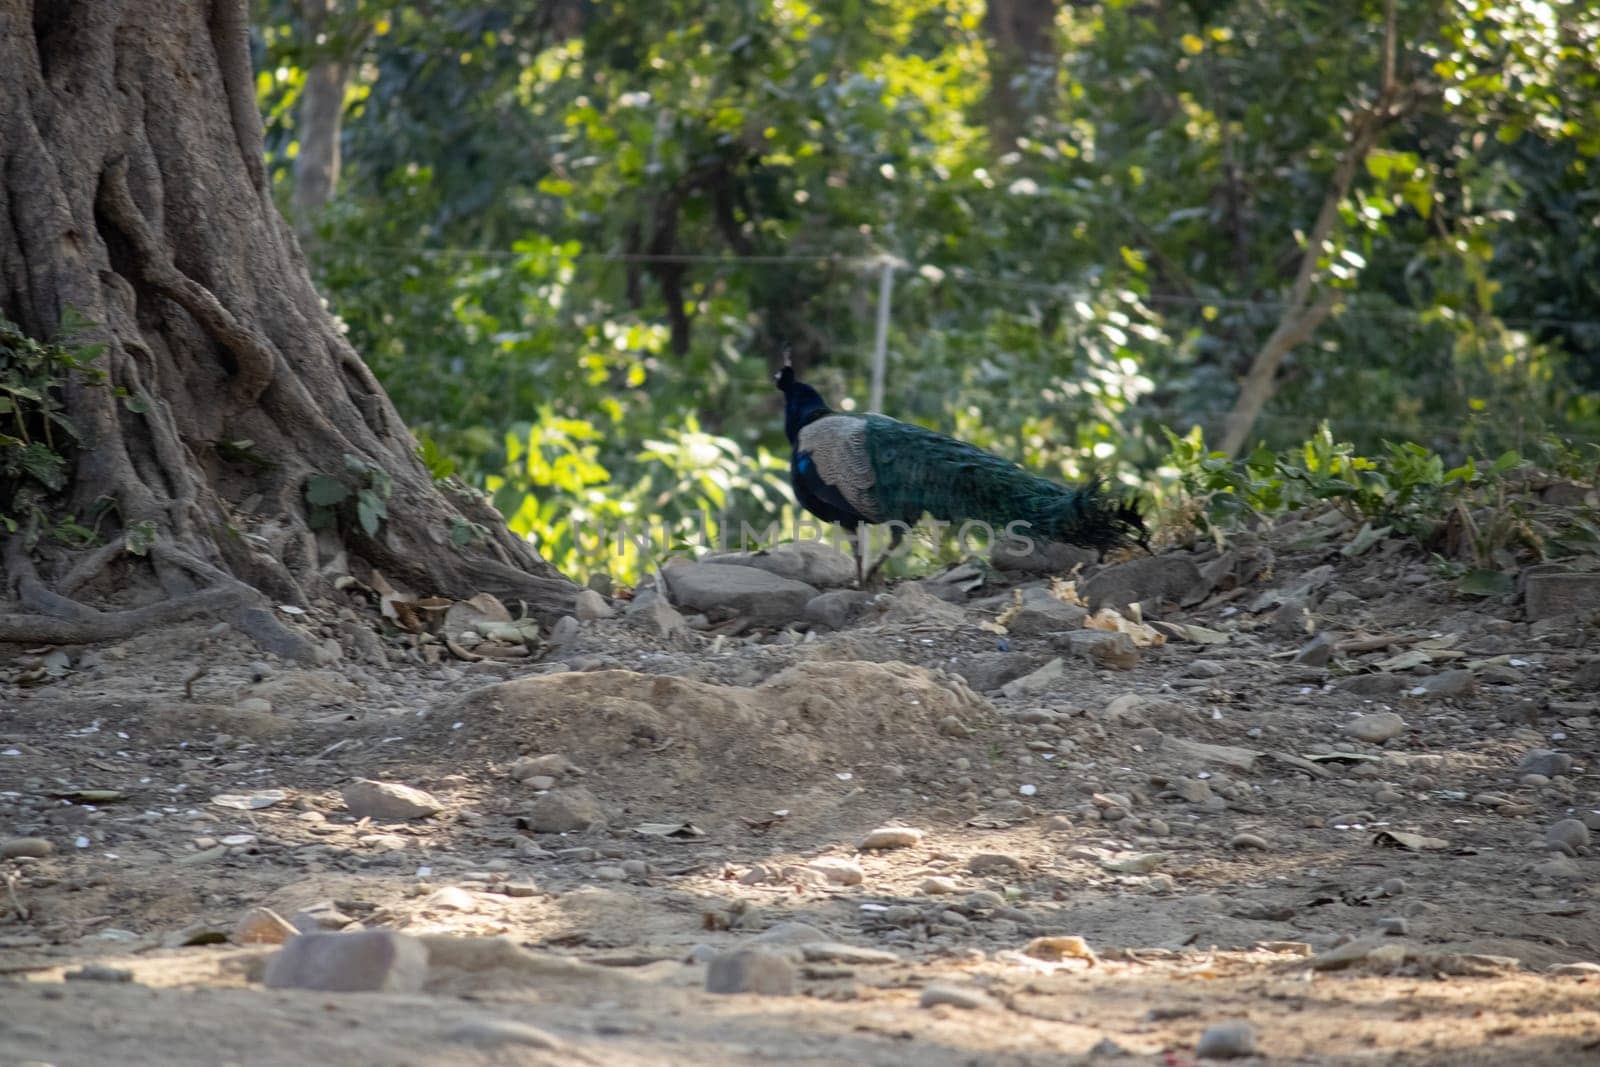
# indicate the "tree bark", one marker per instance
pixel 133 191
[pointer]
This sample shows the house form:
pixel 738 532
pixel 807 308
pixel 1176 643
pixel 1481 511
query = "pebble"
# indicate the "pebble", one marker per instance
pixel 1376 728
pixel 1546 762
pixel 751 971
pixel 565 810
pixel 1244 841
pixel 491 1032
pixel 26 847
pixel 1227 1041
pixel 1394 925
pixel 323 915
pixel 955 996
pixel 589 606
pixel 99 972
pixel 1449 684
pixel 837 870
pixel 938 884
pixel 552 765
pixel 1582 969
pixel 368 961
pixel 262 926
pixel 838 952
pixel 1569 836
pixel 886 837
pixel 386 801
pixel 993 863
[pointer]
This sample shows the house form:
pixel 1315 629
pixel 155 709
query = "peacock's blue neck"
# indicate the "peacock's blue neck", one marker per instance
pixel 802 405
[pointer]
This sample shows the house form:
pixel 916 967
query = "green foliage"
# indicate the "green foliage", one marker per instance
pixel 1479 516
pixel 36 436
pixel 565 230
pixel 360 491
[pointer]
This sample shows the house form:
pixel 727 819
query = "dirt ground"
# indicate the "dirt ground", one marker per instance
pixel 1204 822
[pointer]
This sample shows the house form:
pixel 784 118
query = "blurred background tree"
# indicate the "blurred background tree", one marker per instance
pixel 572 236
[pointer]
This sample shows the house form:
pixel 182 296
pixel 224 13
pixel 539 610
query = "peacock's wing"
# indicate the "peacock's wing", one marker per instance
pixel 835 448
pixel 917 470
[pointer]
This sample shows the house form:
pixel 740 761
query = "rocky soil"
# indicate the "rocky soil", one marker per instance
pixel 1298 800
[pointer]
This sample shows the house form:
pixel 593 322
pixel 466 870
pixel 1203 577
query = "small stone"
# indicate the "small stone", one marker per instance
pixel 1583 969
pixel 1315 653
pixel 1292 619
pixel 519 889
pixel 887 837
pixel 994 863
pixel 1393 887
pixel 837 608
pixel 1244 841
pixel 1394 925
pixel 950 726
pixel 724 591
pixel 1448 685
pixel 937 884
pixel 1376 728
pixel 1545 761
pixel 262 926
pixel 1370 685
pixel 751 971
pixel 388 801
pixel 1103 647
pixel 590 606
pixel 26 847
pixel 551 765
pixel 99 972
pixel 491 1033
pixel 1551 595
pixel 565 810
pixel 1569 836
pixel 1192 790
pixel 838 952
pixel 323 915
pixel 539 782
pixel 368 961
pixel 789 933
pixel 1051 676
pixel 837 870
pixel 955 996
pixel 1227 1041
pixel 564 631
pixel 1205 668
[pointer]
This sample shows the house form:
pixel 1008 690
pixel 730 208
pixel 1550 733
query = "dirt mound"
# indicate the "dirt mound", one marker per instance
pixel 659 735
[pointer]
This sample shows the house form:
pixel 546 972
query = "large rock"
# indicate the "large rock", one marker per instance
pixel 837 608
pixel 988 671
pixel 1040 613
pixel 1150 581
pixel 815 563
pixel 1039 557
pixel 751 971
pixel 725 590
pixel 369 961
pixel 388 801
pixel 1551 595
pixel 565 810
pixel 913 605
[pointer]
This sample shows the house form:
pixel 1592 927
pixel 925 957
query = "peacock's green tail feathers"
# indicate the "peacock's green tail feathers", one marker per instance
pixel 917 470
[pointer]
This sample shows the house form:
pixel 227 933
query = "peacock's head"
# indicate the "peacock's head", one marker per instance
pixel 785 376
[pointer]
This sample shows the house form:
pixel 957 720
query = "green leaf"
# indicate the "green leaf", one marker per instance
pixel 324 490
pixel 137 403
pixel 47 468
pixel 368 515
pixel 1484 582
pixel 139 537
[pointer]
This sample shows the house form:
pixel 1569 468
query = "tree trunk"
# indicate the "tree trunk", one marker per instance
pixel 1023 57
pixel 321 119
pixel 132 191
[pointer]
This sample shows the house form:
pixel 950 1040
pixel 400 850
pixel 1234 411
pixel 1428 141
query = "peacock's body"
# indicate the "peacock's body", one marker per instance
pixel 868 469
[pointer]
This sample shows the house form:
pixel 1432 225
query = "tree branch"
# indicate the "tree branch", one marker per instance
pixel 1302 315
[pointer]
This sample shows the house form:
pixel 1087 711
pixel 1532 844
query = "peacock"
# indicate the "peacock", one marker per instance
pixel 868 469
